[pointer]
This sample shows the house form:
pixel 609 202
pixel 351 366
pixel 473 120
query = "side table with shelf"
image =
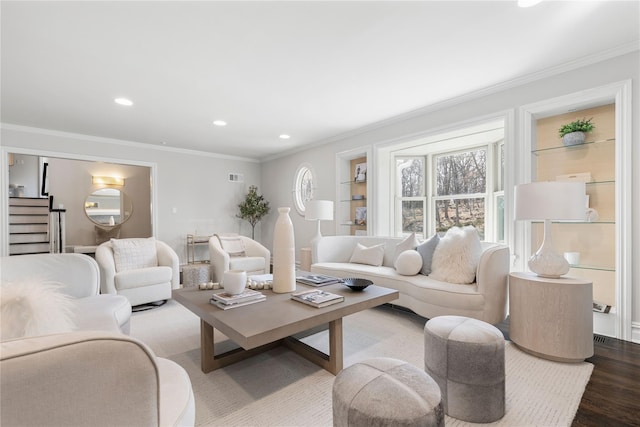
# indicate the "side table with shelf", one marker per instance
pixel 551 318
pixel 192 242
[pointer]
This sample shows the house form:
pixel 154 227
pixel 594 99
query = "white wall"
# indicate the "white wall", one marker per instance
pixel 195 184
pixel 278 172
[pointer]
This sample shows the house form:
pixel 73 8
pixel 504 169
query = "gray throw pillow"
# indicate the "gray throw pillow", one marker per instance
pixel 426 250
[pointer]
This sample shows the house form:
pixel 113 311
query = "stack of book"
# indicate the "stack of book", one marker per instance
pixel 318 279
pixel 226 301
pixel 317 298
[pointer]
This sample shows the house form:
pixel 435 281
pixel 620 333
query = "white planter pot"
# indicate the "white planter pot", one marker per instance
pixel 574 138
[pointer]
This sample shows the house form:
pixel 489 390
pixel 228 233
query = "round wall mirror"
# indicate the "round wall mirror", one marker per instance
pixel 108 206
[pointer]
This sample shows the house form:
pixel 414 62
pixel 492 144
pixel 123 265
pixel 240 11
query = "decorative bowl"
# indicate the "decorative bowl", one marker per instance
pixel 357 284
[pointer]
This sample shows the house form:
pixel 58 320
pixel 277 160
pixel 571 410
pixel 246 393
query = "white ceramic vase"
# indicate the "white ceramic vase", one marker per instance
pixel 284 257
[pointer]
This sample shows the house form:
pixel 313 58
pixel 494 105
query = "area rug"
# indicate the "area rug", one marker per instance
pixel 279 388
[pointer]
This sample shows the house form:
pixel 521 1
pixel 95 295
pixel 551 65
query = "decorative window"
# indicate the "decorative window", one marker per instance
pixel 303 187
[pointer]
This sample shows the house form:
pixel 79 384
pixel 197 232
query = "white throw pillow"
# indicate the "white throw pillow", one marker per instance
pixel 456 257
pixel 233 245
pixel 408 263
pixel 32 308
pixel 370 256
pixel 132 254
pixel 426 250
pixel 410 243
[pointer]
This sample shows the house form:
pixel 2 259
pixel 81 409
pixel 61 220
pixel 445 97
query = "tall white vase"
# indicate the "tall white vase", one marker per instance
pixel 284 256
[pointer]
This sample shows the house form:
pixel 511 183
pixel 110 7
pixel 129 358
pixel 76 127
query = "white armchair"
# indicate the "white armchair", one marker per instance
pixel 91 378
pixel 79 277
pixel 143 270
pixel 235 252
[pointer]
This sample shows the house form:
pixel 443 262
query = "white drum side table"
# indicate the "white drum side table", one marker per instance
pixel 551 318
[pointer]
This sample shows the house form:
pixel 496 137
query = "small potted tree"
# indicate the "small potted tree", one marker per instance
pixel 253 208
pixel 574 133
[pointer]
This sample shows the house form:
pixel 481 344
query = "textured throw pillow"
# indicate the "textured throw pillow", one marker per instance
pixel 407 244
pixel 132 254
pixel 107 233
pixel 371 256
pixel 233 245
pixel 32 308
pixel 426 250
pixel 456 257
pixel 408 263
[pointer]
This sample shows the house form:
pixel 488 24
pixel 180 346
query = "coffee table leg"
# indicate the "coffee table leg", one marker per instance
pixel 210 361
pixel 332 362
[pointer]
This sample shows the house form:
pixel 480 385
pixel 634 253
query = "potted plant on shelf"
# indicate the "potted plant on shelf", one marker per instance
pixel 253 208
pixel 574 133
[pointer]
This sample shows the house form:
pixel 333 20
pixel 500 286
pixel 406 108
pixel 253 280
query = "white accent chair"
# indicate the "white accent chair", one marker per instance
pixel 79 277
pixel 91 378
pixel 154 281
pixel 254 258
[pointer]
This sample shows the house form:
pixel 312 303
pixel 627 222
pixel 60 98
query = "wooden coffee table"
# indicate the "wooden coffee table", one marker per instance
pixel 264 325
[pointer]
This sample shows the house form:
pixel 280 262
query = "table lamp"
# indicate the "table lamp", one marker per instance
pixel 319 210
pixel 549 201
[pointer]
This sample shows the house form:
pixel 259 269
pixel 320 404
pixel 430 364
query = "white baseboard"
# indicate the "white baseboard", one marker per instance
pixel 604 324
pixel 635 332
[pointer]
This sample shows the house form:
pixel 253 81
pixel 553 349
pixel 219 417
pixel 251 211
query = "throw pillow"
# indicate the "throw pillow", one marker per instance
pixel 370 256
pixel 107 233
pixel 233 245
pixel 132 254
pixel 456 257
pixel 407 244
pixel 426 250
pixel 32 308
pixel 408 263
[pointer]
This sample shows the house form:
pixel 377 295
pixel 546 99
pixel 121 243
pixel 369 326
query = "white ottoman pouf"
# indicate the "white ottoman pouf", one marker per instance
pixel 386 392
pixel 466 358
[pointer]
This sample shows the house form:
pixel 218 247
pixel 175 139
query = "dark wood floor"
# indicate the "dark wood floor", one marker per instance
pixel 612 397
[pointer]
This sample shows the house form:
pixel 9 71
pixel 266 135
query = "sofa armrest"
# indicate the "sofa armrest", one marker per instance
pixel 79 378
pixel 492 279
pixel 168 257
pixel 218 259
pixel 104 257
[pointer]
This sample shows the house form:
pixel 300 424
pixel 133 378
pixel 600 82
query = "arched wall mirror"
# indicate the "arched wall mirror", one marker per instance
pixel 108 207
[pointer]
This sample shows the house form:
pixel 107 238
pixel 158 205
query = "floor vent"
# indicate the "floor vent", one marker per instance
pixel 599 338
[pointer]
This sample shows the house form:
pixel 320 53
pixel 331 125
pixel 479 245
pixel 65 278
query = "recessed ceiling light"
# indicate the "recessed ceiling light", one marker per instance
pixel 219 123
pixel 123 101
pixel 284 136
pixel 528 3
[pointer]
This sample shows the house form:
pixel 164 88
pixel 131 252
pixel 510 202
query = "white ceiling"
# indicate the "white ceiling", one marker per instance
pixel 313 70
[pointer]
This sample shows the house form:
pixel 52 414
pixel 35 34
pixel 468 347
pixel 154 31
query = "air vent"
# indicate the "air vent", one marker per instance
pixel 236 177
pixel 599 338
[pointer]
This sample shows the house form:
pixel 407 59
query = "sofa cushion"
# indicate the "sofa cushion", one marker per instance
pixel 408 263
pixel 32 308
pixel 426 250
pixel 410 243
pixel 456 257
pixel 247 263
pixel 143 277
pixel 131 254
pixel 106 312
pixel 370 256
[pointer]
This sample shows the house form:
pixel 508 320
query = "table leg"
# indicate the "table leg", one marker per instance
pixel 333 361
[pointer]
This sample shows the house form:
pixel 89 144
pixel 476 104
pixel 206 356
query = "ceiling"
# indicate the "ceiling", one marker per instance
pixel 312 70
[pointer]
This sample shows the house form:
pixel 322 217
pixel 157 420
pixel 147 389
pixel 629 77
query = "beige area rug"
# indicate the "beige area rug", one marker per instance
pixel 279 388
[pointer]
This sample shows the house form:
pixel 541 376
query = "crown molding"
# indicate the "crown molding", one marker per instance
pixel 122 142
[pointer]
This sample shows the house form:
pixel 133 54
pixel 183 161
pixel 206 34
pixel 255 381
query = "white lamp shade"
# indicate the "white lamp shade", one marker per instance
pixel 319 210
pixel 550 200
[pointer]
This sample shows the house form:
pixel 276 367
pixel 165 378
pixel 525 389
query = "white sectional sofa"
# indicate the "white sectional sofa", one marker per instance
pixel 485 299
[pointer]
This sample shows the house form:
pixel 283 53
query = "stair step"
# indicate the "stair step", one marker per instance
pixel 28 210
pixel 28 201
pixel 28 248
pixel 28 228
pixel 29 219
pixel 29 238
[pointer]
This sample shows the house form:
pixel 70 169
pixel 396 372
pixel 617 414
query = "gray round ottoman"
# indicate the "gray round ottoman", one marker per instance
pixel 386 392
pixel 466 358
